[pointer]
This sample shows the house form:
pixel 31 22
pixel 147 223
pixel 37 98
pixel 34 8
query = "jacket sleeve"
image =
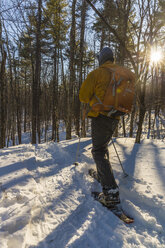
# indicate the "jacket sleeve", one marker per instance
pixel 87 88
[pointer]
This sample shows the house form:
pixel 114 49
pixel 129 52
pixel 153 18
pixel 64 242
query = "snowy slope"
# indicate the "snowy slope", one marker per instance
pixel 45 200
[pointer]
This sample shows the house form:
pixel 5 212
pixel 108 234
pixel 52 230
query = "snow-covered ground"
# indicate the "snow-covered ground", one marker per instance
pixel 45 200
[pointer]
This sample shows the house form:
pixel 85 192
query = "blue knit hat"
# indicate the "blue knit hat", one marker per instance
pixel 105 55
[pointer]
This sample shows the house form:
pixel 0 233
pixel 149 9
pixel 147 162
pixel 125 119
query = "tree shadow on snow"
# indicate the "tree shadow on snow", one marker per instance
pixel 159 163
pixel 55 164
pixel 129 158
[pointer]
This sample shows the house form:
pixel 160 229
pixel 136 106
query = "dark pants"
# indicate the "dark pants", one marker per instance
pixel 102 130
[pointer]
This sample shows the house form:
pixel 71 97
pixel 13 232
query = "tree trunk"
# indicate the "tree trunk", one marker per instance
pixel 132 122
pixel 2 100
pixel 18 102
pixel 25 103
pixel 54 97
pixel 102 39
pixel 123 122
pixel 140 124
pixel 142 109
pixel 83 126
pixel 149 123
pixel 163 89
pixel 36 81
pixel 77 101
pixel 72 73
pixel 141 91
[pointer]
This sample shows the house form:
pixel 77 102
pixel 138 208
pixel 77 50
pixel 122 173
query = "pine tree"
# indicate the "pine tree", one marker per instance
pixel 55 14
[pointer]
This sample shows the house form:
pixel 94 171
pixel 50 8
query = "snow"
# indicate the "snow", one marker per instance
pixel 45 200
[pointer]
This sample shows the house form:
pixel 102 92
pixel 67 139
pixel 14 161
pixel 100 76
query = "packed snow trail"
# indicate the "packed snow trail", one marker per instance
pixel 45 201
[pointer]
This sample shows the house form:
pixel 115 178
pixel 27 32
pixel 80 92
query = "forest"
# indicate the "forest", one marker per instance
pixel 47 49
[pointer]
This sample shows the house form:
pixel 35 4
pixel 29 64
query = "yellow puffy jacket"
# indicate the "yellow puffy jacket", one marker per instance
pixel 96 83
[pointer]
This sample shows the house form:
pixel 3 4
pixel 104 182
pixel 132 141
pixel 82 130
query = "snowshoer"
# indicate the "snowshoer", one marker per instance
pixel 103 125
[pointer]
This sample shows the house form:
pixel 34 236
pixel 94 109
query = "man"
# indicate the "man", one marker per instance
pixel 102 125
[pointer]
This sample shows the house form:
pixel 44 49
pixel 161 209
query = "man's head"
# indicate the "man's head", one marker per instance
pixel 105 55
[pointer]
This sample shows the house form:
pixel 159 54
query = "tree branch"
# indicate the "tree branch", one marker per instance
pixel 114 32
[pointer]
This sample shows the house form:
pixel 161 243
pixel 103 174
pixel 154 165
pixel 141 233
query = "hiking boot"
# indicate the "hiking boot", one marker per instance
pixel 110 197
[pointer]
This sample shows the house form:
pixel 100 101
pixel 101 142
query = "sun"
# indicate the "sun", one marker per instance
pixel 155 56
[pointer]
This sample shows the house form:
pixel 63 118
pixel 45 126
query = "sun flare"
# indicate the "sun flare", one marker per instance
pixel 155 56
